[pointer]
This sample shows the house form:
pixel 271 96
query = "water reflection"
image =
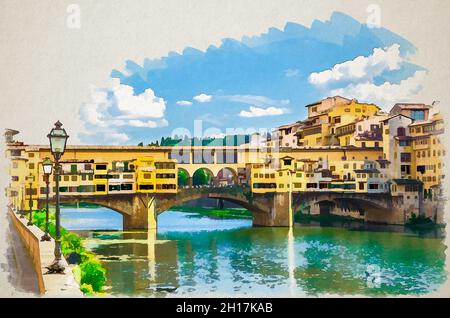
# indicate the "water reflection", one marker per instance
pixel 198 256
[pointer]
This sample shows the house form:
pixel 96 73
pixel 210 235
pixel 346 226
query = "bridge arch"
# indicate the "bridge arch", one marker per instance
pixel 184 178
pixel 227 176
pixel 203 176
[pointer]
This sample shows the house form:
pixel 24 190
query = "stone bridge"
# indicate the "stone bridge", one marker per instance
pixel 140 211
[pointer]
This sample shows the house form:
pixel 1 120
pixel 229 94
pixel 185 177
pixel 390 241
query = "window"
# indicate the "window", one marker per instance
pixel 377 144
pixel 16 152
pixel 255 175
pixel 88 166
pixel 314 109
pixel 74 178
pixel 126 186
pixel 100 167
pixel 114 187
pixel 15 178
pixel 31 166
pixel 100 188
pixel 15 165
pixel 73 169
pixel 401 131
pixel 66 178
pixel 146 187
pixel 297 185
pixel 418 115
pixel 405 169
pixel 405 157
pixel 83 177
pixel 30 155
pixel 405 143
pixel 147 175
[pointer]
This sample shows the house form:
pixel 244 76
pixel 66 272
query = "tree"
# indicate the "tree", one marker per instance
pixel 201 177
pixel 141 144
pixel 183 178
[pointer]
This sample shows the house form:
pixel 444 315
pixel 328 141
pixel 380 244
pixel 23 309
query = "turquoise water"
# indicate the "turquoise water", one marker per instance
pixel 198 256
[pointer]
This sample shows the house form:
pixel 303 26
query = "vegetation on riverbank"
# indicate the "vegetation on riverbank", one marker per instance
pixel 421 221
pixel 300 217
pixel 88 271
pixel 216 213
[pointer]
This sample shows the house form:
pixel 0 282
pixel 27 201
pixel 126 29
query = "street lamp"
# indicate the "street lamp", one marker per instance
pixel 22 208
pixel 30 179
pixel 58 139
pixel 47 166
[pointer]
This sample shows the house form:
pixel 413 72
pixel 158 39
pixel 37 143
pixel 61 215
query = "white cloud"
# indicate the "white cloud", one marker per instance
pixel 184 103
pixel 203 98
pixel 148 123
pixel 112 109
pixel 145 105
pixel 361 68
pixel 291 72
pixel 255 100
pixel 260 112
pixel 386 94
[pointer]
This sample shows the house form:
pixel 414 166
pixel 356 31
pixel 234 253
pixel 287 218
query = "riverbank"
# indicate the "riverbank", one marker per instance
pixel 215 213
pixel 88 270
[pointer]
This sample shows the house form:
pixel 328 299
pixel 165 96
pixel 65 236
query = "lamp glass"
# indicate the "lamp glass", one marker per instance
pixel 47 165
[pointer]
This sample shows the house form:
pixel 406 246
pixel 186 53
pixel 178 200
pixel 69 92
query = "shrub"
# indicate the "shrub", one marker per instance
pixel 93 273
pixel 86 289
pixel 70 243
pixel 90 272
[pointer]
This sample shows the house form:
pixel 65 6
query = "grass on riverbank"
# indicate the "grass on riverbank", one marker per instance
pixel 89 271
pixel 216 213
pixel 300 217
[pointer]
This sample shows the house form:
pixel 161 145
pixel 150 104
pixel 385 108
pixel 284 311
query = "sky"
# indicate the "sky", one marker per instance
pixel 256 82
pixel 136 71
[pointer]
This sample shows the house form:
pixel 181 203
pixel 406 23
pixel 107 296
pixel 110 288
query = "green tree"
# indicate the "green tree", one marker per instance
pixel 201 177
pixel 183 178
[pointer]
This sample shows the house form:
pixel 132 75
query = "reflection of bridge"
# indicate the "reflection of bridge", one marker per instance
pixel 140 211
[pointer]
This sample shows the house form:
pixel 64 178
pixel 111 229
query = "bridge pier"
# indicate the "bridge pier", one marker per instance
pixel 143 214
pixel 277 212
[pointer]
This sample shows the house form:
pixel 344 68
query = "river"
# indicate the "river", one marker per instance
pixel 191 255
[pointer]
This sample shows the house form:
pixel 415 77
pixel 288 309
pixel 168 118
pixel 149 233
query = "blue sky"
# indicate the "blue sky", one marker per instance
pixel 261 81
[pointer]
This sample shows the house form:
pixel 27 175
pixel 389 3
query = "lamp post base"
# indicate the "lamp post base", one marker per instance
pixel 45 237
pixel 57 267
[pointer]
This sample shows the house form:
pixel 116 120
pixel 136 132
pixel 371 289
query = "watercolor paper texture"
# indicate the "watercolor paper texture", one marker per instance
pixel 224 149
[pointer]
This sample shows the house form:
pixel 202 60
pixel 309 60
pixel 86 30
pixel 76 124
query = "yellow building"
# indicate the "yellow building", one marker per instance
pixel 332 121
pixel 428 153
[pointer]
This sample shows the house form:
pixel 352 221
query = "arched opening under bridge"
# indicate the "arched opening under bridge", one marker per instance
pixel 86 216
